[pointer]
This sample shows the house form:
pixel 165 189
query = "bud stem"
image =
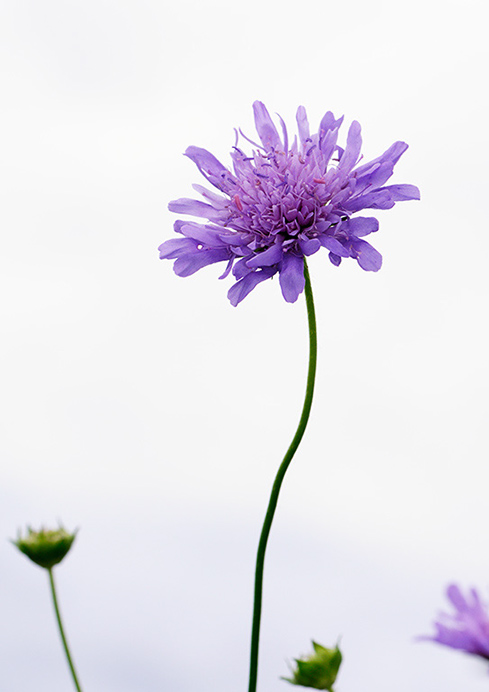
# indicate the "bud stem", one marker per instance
pixel 272 504
pixel 61 631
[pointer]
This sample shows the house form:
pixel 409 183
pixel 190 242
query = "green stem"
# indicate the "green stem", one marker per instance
pixel 272 504
pixel 61 631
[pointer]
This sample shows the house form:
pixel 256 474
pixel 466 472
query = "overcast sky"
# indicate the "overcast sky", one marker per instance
pixel 144 409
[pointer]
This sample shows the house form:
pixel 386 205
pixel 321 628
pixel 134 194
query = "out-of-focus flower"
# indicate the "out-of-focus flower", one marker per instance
pixel 468 628
pixel 45 547
pixel 318 670
pixel 283 203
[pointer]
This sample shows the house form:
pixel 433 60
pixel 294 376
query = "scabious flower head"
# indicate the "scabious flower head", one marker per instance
pixel 284 202
pixel 468 628
pixel 46 547
pixel 319 670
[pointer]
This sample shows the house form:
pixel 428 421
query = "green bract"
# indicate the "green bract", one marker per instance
pixel 45 547
pixel 318 670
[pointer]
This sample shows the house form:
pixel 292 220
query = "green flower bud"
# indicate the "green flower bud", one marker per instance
pixel 318 670
pixel 45 547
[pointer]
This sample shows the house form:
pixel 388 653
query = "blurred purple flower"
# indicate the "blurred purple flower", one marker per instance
pixel 468 628
pixel 283 203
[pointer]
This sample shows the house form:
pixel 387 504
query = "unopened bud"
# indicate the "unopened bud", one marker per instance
pixel 45 547
pixel 318 670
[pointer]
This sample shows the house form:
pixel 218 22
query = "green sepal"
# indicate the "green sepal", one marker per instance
pixel 45 547
pixel 319 670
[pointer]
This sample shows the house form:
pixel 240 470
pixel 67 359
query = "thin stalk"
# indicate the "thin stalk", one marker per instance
pixel 61 631
pixel 272 504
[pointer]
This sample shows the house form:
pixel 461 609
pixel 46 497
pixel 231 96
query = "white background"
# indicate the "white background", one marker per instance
pixel 147 411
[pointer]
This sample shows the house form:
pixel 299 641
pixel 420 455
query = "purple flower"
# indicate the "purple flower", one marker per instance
pixel 283 203
pixel 468 628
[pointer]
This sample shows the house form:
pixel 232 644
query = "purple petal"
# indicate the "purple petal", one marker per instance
pixel 353 147
pixel 202 234
pixel 376 199
pixel 339 151
pixel 334 259
pixel 367 256
pixel 394 152
pixel 171 249
pixel 206 162
pixel 235 239
pixel 329 123
pixel 180 223
pixel 361 226
pixel 265 127
pixel 457 639
pixel 401 193
pixel 309 246
pixel 327 144
pixel 392 155
pixel 376 176
pixel 303 125
pixel 455 596
pixel 195 208
pixel 190 263
pixel 241 289
pixel 479 611
pixel 218 200
pixel 284 133
pixel 229 266
pixel 291 277
pixel 267 258
pixel 241 269
pixel 334 246
pixel 382 198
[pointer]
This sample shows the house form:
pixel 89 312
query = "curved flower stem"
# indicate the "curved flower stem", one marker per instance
pixel 61 631
pixel 272 504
